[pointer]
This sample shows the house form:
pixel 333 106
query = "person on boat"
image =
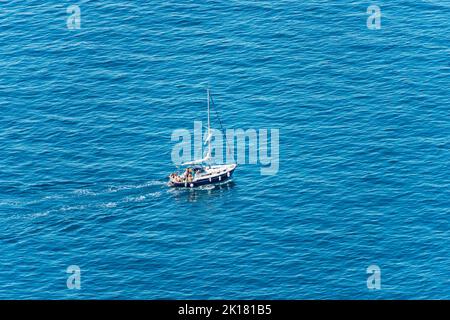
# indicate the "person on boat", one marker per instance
pixel 175 177
pixel 187 173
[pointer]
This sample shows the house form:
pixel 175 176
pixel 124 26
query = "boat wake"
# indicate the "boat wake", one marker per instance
pixel 81 199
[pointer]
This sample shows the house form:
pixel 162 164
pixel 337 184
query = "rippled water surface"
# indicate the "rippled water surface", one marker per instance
pixel 85 148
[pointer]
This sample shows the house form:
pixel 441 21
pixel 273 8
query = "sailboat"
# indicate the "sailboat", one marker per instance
pixel 202 171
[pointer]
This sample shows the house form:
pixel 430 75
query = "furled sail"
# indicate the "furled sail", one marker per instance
pixel 199 161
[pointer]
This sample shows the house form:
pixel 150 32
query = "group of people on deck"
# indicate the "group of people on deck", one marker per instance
pixel 187 176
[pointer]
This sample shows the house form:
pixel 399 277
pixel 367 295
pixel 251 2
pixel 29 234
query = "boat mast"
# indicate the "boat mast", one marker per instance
pixel 207 92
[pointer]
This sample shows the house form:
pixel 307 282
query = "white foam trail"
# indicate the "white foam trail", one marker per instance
pixel 135 186
pixel 70 208
pixel 155 194
pixel 85 192
pixel 39 214
pixel 134 199
pixel 107 205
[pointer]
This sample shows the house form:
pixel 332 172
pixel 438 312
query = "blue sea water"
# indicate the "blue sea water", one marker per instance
pixel 85 148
